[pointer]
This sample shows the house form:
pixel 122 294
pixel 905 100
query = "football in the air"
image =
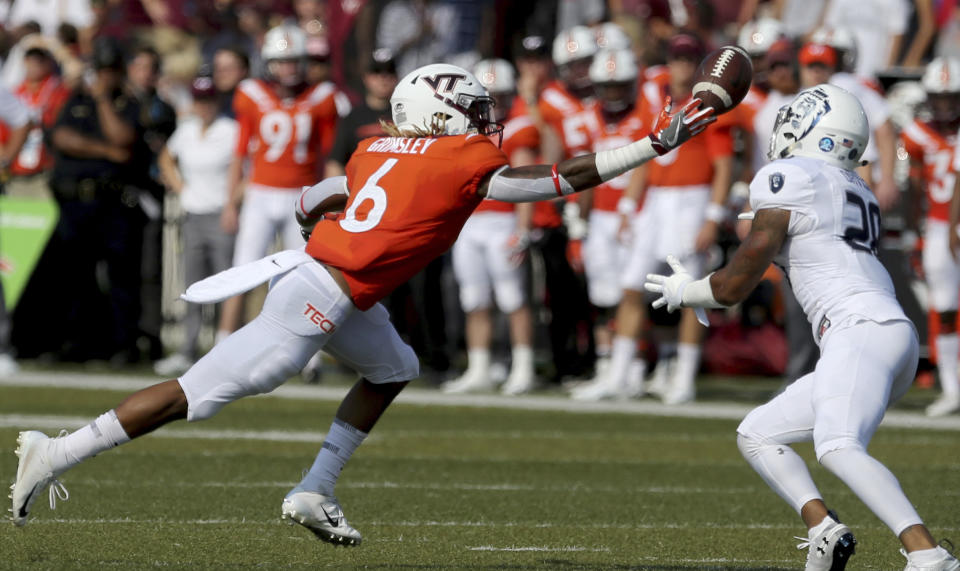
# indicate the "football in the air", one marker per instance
pixel 723 78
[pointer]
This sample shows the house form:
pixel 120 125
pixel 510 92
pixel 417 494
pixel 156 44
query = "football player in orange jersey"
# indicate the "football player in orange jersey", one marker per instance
pixel 606 248
pixel 683 195
pixel 410 194
pixel 488 254
pixel 286 127
pixel 931 145
pixel 562 100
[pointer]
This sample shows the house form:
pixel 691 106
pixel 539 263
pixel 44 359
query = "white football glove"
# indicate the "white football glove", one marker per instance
pixel 671 289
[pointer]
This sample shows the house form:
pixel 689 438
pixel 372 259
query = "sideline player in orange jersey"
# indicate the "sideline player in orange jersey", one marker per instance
pixel 409 196
pixel 286 127
pixel 562 100
pixel 606 248
pixel 683 195
pixel 488 255
pixel 931 145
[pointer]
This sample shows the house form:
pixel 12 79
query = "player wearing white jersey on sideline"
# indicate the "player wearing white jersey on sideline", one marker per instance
pixel 816 218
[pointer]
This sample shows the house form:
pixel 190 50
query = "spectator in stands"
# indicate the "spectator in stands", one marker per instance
pixel 43 93
pixel 76 12
pixel 100 217
pixel 879 28
pixel 230 66
pixel 194 166
pixel 417 32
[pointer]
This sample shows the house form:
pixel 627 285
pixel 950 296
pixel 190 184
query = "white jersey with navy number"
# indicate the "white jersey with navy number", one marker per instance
pixel 830 254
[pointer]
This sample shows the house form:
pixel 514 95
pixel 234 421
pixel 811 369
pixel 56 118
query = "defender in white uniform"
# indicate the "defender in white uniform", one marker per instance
pixel 818 220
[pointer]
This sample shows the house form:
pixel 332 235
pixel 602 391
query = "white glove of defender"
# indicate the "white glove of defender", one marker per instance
pixel 671 289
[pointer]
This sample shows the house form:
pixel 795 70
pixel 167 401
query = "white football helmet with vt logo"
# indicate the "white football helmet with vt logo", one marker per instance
pixel 444 95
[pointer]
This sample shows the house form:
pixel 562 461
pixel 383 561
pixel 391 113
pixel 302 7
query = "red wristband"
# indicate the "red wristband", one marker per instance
pixel 556 179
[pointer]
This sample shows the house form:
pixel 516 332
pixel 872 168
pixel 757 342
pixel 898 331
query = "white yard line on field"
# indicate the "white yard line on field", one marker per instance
pixel 50 422
pixel 417 396
pixel 540 548
pixel 681 526
pixel 501 487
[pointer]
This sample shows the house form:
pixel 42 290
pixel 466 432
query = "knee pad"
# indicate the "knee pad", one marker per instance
pixel 835 444
pixel 509 295
pixel 749 446
pixel 474 297
pixel 406 367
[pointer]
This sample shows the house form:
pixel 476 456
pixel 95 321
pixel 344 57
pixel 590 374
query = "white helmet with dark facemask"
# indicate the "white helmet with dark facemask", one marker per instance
pixel 614 69
pixel 285 43
pixel 822 122
pixel 444 95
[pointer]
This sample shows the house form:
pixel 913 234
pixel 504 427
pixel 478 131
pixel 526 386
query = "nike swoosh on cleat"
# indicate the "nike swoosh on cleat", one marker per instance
pixel 333 522
pixel 26 502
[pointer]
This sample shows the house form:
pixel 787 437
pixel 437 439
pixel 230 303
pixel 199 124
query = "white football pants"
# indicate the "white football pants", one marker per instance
pixel 304 311
pixel 863 368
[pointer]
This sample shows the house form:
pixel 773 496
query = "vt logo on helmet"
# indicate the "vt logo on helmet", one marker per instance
pixel 442 99
pixel 822 122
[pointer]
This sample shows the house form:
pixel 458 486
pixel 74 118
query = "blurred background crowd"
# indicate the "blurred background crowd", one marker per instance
pixel 153 127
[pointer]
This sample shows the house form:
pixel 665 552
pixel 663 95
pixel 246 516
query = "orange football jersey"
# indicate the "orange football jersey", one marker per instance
pixel 44 104
pixel 691 163
pixel 286 137
pixel 409 198
pixel 562 111
pixel 935 152
pixel 519 132
pixel 627 130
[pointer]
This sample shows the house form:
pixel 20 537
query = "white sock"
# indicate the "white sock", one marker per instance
pixel 875 485
pixel 522 361
pixel 931 555
pixel 102 434
pixel 221 335
pixel 947 348
pixel 603 351
pixel 688 363
pixel 340 444
pixel 815 530
pixel 781 468
pixel 478 362
pixel 638 369
pixel 624 350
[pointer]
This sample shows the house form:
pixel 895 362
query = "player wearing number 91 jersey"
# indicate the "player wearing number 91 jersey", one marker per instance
pixel 816 218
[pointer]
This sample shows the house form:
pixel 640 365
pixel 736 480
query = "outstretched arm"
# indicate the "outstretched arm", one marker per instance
pixel 732 283
pixel 541 182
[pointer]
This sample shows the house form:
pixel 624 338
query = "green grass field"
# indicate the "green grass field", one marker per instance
pixel 448 487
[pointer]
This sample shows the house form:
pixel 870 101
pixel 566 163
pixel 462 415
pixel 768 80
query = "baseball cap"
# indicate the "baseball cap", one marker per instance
pixel 381 61
pixel 780 52
pixel 811 54
pixel 202 88
pixel 106 54
pixel 318 48
pixel 686 45
pixel 533 46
